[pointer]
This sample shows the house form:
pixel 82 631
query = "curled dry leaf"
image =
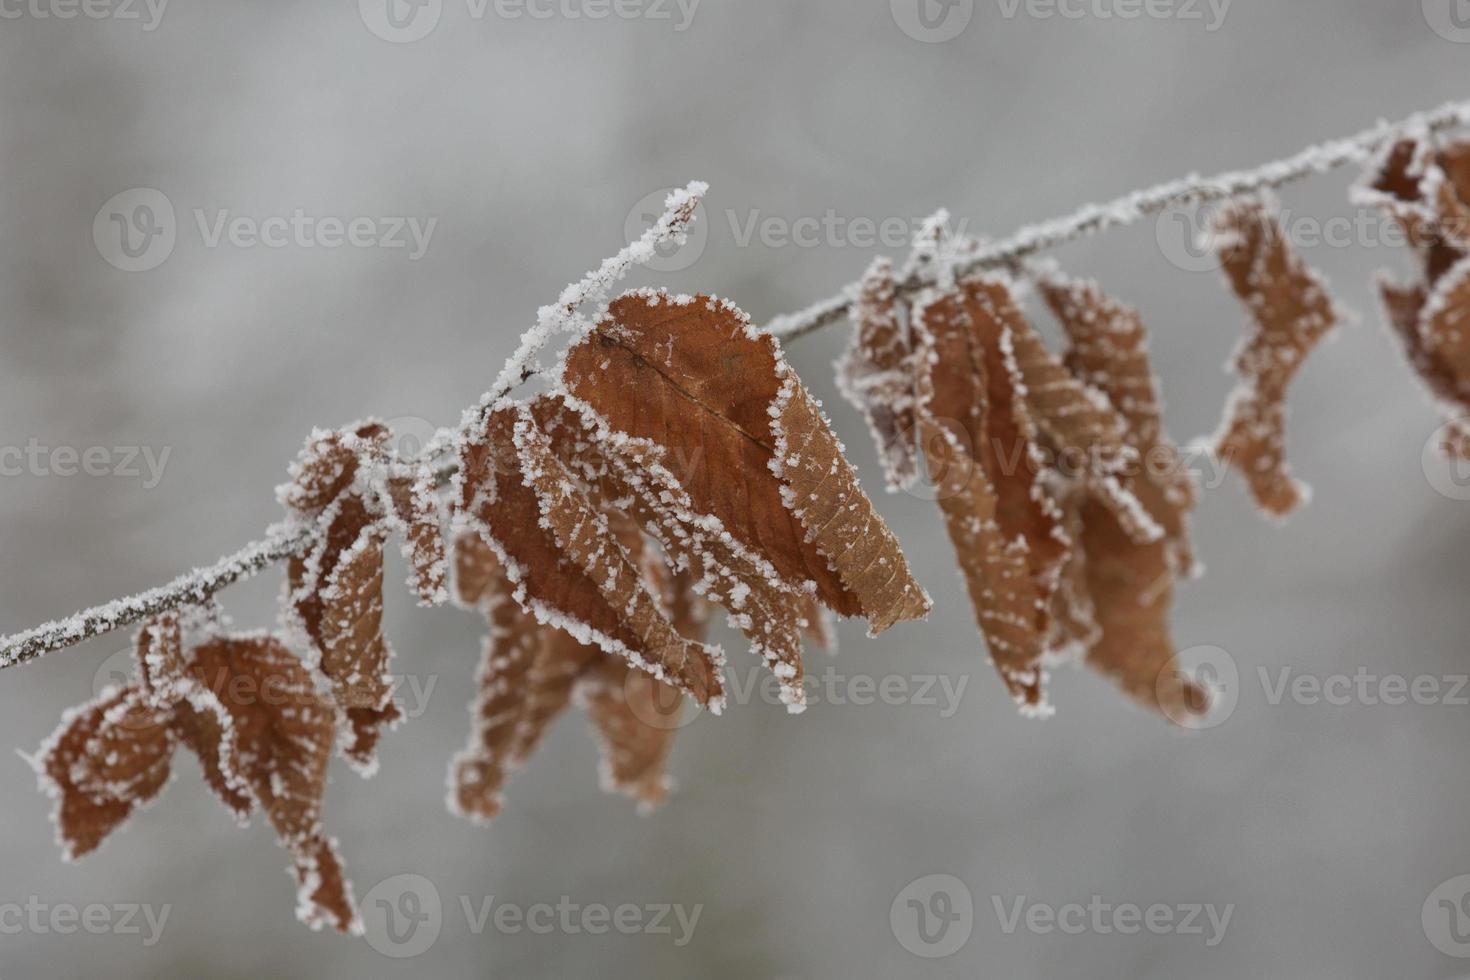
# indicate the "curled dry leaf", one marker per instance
pixel 876 374
pixel 1128 583
pixel 981 445
pixel 696 379
pixel 1292 313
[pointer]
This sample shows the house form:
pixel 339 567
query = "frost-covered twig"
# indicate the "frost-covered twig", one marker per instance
pixel 198 586
pixel 190 589
pixel 1138 205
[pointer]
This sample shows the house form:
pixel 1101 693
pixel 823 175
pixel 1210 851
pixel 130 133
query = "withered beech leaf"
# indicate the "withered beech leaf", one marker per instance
pixel 106 759
pixel 281 726
pixel 748 444
pixel 1426 189
pixel 354 653
pixel 502 684
pixel 335 590
pixel 588 538
pixel 1292 313
pixel 567 565
pixel 981 446
pixel 1087 436
pixel 876 374
pixel 1128 583
pixel 1108 350
pixel 763 606
pixel 634 717
pixel 528 677
pixel 281 732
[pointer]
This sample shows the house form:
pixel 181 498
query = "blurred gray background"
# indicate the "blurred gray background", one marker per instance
pixel 531 140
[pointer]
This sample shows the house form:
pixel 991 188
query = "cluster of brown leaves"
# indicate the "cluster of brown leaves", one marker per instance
pixel 1066 504
pixel 676 463
pixel 1426 188
pixel 262 719
pixel 247 708
pixel 679 464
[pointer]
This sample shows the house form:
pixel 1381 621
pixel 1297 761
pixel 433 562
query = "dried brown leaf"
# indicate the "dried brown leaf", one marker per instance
pixel 1292 313
pixel 877 374
pixel 634 717
pixel 1128 583
pixel 568 567
pixel 105 760
pixel 503 682
pixel 1109 351
pixel 695 378
pixel 981 445
pixel 762 605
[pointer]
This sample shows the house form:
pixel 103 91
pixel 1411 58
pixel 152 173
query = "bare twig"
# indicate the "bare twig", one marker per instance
pixel 287 540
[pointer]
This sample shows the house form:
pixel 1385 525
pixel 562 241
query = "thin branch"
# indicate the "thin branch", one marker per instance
pixel 1138 205
pixel 287 540
pixel 191 589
